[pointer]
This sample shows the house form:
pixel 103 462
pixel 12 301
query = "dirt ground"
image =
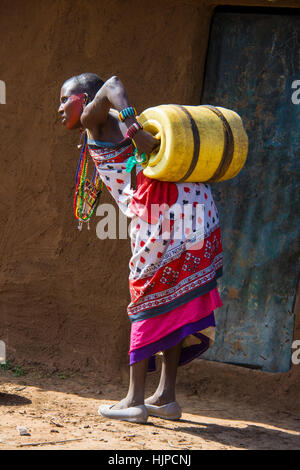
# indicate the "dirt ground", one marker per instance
pixel 57 407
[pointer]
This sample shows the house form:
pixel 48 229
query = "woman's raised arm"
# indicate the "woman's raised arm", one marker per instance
pixel 111 95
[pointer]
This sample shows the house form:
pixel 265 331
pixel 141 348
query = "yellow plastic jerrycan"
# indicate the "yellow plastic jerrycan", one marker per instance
pixel 202 144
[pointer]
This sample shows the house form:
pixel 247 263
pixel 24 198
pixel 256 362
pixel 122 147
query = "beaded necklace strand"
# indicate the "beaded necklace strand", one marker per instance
pixel 87 193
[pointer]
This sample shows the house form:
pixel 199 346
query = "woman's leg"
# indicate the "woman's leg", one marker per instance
pixel 136 391
pixel 165 392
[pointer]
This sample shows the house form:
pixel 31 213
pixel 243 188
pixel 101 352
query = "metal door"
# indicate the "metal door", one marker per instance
pixel 253 65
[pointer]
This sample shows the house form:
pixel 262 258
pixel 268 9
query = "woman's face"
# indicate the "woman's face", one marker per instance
pixel 71 107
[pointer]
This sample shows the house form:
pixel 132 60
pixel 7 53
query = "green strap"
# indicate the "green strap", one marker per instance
pixel 134 159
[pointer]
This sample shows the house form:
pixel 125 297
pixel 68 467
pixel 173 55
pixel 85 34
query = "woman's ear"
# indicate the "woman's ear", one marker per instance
pixel 85 99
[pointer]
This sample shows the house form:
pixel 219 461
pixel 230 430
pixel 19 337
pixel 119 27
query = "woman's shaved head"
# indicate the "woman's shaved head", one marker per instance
pixel 75 93
pixel 88 83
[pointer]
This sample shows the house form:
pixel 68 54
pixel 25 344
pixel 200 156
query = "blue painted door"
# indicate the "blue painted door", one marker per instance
pixel 253 64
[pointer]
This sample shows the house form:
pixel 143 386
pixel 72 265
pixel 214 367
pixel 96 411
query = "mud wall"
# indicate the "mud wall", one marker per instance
pixel 63 293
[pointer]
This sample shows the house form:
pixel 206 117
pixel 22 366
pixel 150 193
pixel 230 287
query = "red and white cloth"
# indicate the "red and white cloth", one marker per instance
pixel 176 245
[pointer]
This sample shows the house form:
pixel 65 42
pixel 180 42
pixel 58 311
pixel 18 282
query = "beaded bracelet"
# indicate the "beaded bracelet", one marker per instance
pixel 127 112
pixel 132 130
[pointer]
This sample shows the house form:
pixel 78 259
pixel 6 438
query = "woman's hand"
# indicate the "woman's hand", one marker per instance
pixel 145 142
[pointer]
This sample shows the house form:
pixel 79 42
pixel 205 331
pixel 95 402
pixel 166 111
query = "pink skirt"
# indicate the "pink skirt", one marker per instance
pixel 193 324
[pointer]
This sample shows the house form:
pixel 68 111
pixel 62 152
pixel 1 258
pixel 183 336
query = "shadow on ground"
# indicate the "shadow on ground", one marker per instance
pixel 10 399
pixel 242 437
